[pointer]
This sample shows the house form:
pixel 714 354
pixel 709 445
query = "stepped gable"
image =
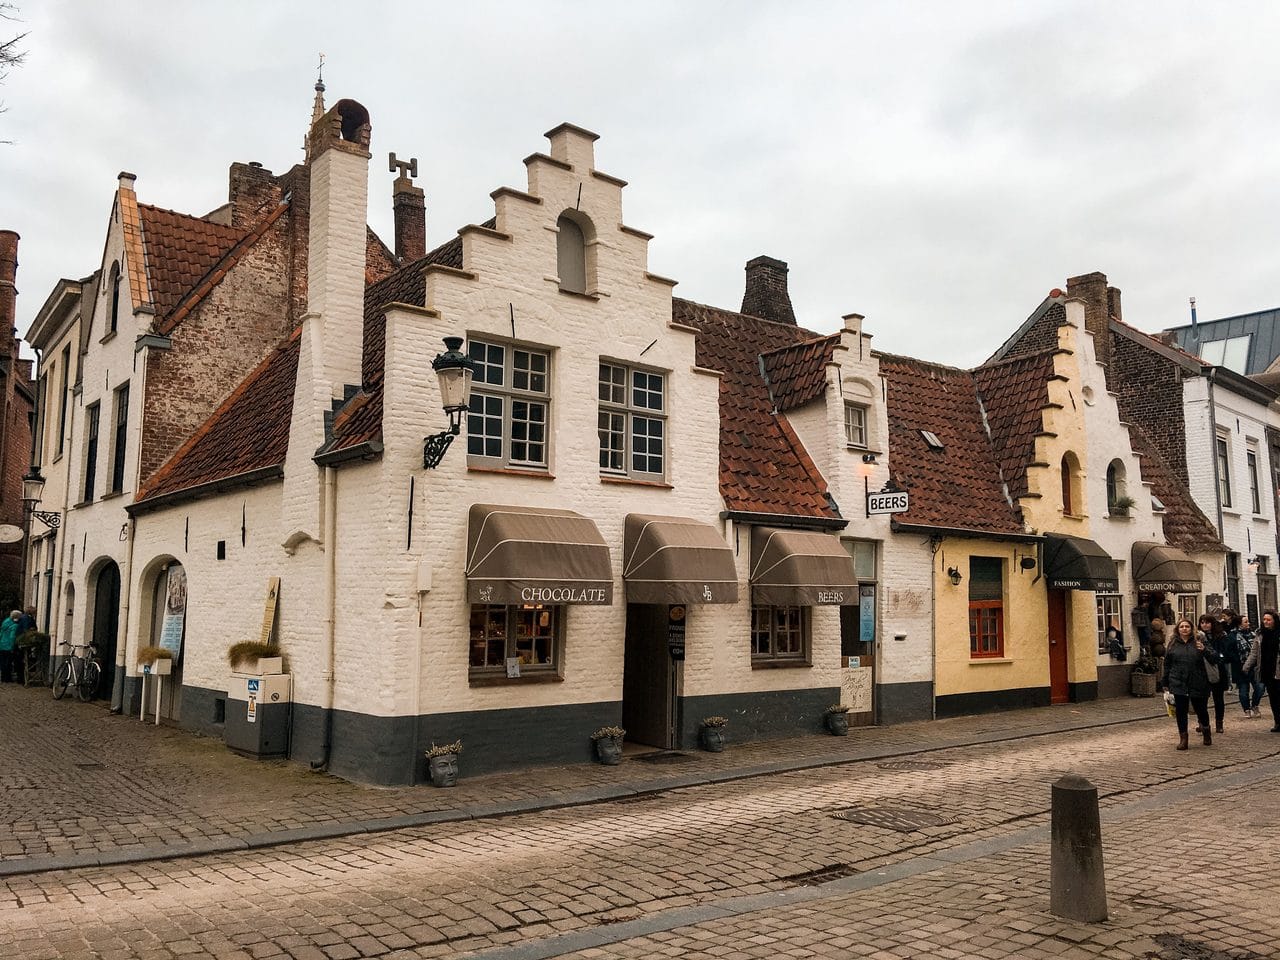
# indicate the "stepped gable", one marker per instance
pixel 1185 524
pixel 179 251
pixel 763 466
pixel 797 374
pixel 249 431
pixel 959 486
pixel 1013 393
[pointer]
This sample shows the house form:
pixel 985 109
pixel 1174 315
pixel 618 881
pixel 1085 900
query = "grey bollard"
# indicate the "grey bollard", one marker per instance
pixel 1077 880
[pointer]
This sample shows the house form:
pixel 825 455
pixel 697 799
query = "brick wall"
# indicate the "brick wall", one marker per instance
pixel 1148 390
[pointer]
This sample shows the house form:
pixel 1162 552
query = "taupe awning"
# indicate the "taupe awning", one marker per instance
pixel 676 560
pixel 1164 569
pixel 535 555
pixel 1075 563
pixel 800 568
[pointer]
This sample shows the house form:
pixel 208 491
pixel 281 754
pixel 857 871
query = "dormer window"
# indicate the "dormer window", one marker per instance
pixel 574 252
pixel 931 440
pixel 855 425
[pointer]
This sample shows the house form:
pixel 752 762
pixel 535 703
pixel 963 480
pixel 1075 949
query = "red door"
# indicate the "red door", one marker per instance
pixel 1058 690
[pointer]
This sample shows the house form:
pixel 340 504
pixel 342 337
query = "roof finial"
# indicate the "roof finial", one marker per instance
pixel 317 108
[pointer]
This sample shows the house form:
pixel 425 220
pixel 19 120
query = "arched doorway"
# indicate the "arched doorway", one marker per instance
pixel 106 621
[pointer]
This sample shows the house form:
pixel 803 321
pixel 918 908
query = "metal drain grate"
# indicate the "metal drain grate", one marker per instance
pixel 664 756
pixel 815 878
pixel 1175 947
pixel 90 766
pixel 911 765
pixel 902 819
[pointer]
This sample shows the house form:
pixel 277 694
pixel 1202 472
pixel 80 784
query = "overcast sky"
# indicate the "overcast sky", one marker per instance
pixel 938 167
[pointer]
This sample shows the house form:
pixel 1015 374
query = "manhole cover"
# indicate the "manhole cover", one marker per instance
pixel 911 765
pixel 902 819
pixel 814 878
pixel 664 756
pixel 1175 947
pixel 90 766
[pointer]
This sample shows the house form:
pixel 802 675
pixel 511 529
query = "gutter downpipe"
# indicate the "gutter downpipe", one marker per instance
pixel 330 613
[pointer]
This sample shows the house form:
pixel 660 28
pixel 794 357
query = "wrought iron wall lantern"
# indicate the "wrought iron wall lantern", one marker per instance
pixel 454 370
pixel 955 576
pixel 32 491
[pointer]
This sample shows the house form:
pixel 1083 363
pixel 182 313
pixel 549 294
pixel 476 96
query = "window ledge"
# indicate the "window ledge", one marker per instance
pixel 513 472
pixel 82 503
pixel 628 481
pixel 56 458
pixel 1120 516
pixel 1229 512
pixel 780 664
pixel 109 336
pixel 988 661
pixel 112 495
pixel 1074 516
pixel 593 297
pixel 484 680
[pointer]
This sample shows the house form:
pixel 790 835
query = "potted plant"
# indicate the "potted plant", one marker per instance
pixel 252 656
pixel 1142 680
pixel 608 741
pixel 155 660
pixel 442 763
pixel 837 720
pixel 1121 506
pixel 711 736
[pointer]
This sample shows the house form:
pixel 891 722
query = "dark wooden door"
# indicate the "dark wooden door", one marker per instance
pixel 648 700
pixel 1058 688
pixel 106 623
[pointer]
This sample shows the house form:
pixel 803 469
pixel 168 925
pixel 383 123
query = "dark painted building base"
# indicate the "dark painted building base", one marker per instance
pixel 904 702
pixel 1082 692
pixel 991 701
pixel 1113 680
pixel 757 716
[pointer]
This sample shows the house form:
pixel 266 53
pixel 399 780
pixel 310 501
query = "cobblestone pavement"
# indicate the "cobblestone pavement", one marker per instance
pixel 81 786
pixel 939 854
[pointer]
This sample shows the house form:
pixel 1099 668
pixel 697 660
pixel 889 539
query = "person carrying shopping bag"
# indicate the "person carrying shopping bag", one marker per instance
pixel 1186 677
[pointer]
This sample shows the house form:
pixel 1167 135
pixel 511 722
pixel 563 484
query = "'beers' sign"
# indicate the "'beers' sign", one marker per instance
pixel 896 501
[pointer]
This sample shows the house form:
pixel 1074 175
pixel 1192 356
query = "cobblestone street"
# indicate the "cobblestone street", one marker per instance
pixel 935 845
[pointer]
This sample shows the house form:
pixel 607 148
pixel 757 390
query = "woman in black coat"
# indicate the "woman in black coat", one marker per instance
pixel 1186 679
pixel 1220 644
pixel 1265 659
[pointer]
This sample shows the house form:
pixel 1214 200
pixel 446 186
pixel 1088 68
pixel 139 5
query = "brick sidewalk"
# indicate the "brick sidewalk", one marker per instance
pixel 83 787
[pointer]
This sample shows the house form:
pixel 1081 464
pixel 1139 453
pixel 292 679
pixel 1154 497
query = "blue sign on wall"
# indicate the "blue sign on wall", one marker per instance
pixel 867 613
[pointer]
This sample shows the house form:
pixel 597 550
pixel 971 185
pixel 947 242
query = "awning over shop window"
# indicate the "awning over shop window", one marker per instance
pixel 1074 563
pixel 535 555
pixel 800 568
pixel 676 560
pixel 1163 569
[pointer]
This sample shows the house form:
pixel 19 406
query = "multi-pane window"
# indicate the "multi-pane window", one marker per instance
pixel 1266 585
pixel 986 607
pixel 1109 609
pixel 120 439
pixel 91 450
pixel 1224 470
pixel 855 425
pixel 62 400
pixel 529 635
pixel 1188 606
pixel 632 421
pixel 1233 581
pixel 1251 459
pixel 779 633
pixel 508 421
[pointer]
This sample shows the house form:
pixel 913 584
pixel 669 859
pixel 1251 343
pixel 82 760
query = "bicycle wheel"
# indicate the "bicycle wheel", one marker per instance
pixel 62 680
pixel 87 689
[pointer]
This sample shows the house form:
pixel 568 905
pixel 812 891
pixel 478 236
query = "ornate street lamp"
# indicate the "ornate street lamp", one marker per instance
pixel 32 491
pixel 454 370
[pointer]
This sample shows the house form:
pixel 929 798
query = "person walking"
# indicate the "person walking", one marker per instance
pixel 1185 677
pixel 1246 676
pixel 1263 658
pixel 1219 669
pixel 9 647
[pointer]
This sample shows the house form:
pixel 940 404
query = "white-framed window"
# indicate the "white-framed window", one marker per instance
pixel 632 421
pixel 1188 606
pixel 855 425
pixel 1223 453
pixel 779 633
pixel 508 423
pixel 1255 494
pixel 1110 608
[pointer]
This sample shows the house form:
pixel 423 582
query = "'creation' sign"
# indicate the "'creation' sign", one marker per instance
pixel 896 501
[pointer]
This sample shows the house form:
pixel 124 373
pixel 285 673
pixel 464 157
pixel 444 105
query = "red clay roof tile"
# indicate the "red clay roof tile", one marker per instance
pixel 180 250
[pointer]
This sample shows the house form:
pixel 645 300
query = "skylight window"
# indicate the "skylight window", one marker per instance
pixel 1232 353
pixel 932 440
pixel 1156 504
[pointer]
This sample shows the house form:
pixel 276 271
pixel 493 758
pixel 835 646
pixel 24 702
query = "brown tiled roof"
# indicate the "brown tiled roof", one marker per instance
pixel 248 431
pixel 763 466
pixel 796 374
pixel 1185 525
pixel 1013 393
pixel 180 251
pixel 959 486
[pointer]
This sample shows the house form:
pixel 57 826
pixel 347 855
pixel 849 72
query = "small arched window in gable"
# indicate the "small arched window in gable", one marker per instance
pixel 1117 501
pixel 574 247
pixel 114 320
pixel 1072 502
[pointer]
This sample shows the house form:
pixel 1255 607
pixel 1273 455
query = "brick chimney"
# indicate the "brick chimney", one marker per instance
pixel 339 149
pixel 8 288
pixel 252 191
pixel 410 207
pixel 1092 289
pixel 766 294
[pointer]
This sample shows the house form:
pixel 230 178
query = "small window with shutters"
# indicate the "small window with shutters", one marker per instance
pixel 986 607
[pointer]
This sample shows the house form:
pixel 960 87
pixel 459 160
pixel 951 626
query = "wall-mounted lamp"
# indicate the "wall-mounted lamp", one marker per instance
pixel 868 458
pixel 32 491
pixel 1028 563
pixel 454 370
pixel 955 576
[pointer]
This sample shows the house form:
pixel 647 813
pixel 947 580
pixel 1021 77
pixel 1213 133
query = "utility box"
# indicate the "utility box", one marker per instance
pixel 257 718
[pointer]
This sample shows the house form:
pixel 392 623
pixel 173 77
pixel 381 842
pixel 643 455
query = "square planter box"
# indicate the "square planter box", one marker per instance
pixel 265 666
pixel 161 668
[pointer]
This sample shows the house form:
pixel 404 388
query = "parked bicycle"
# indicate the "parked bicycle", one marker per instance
pixel 79 670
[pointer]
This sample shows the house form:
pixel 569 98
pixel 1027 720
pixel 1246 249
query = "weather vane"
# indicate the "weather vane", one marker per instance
pixel 320 72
